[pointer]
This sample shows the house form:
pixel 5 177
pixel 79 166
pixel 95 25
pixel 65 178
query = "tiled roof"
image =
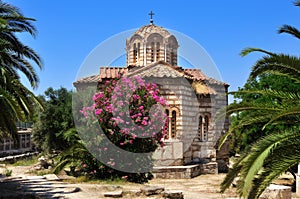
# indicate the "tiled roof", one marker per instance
pixel 157 69
pixel 145 31
pixel 89 79
pixel 106 72
pixel 198 75
pixel 112 72
pixel 202 88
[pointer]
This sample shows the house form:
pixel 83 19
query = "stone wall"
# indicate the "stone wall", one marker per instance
pixel 185 172
pixel 181 97
pixel 177 172
pixel 170 155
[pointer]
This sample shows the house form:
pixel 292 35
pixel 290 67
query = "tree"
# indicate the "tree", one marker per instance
pixel 54 121
pixel 127 115
pixel 279 110
pixel 16 101
pixel 243 137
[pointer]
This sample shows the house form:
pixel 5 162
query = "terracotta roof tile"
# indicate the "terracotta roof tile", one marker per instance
pixel 157 69
pixel 89 79
pixel 105 73
pixel 202 88
pixel 198 75
pixel 112 72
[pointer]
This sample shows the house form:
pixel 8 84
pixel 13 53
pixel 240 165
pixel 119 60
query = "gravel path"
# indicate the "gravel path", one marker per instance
pixel 23 185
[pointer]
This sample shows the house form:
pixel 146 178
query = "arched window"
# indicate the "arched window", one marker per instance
pixel 200 128
pixel 157 51
pixel 168 126
pixel 173 124
pixel 172 57
pixel 152 51
pixel 134 53
pixel 138 53
pixel 203 125
pixel 205 128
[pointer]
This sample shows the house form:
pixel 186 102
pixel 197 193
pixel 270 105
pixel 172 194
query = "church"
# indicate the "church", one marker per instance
pixel 194 99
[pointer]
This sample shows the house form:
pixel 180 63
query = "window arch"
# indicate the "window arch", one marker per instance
pixel 205 128
pixel 139 52
pixel 203 125
pixel 168 126
pixel 200 127
pixel 157 50
pixel 173 124
pixel 134 53
pixel 152 51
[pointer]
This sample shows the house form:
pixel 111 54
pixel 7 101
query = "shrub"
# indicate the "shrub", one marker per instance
pixel 130 113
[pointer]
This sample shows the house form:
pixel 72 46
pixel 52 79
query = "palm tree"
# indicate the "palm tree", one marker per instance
pixel 16 101
pixel 278 151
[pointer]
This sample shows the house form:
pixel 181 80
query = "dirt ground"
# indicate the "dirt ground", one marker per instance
pixel 204 186
pixel 201 187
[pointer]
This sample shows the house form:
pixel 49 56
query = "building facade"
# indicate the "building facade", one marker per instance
pixel 8 146
pixel 193 98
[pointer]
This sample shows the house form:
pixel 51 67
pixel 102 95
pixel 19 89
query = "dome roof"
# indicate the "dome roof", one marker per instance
pixel 145 31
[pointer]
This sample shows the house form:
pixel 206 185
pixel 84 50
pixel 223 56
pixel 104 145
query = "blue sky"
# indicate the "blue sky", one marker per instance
pixel 70 30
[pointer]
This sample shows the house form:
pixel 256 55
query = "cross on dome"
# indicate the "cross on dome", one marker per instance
pixel 151 15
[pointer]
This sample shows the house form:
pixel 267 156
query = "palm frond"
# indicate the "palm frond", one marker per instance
pixel 280 64
pixel 249 50
pixel 297 3
pixel 262 153
pixel 290 30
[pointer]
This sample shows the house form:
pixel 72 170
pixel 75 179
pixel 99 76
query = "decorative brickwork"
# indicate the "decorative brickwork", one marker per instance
pixel 194 100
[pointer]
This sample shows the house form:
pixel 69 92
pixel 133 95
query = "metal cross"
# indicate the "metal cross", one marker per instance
pixel 151 15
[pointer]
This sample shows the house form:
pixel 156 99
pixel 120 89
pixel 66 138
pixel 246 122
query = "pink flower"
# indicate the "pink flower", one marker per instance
pixel 98 111
pixel 98 96
pixel 144 122
pixel 136 97
pixel 141 107
pixel 134 136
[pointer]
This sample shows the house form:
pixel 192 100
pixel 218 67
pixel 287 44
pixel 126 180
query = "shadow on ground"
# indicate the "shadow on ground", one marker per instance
pixel 33 188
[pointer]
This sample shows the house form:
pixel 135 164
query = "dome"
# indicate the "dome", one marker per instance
pixel 145 31
pixel 150 44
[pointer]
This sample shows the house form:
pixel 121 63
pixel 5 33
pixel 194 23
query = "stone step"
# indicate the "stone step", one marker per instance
pixel 173 194
pixel 152 190
pixel 114 194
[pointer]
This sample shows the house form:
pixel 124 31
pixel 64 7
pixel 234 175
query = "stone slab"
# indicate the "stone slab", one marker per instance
pixel 152 190
pixel 277 192
pixel 177 172
pixel 114 194
pixel 52 177
pixel 173 194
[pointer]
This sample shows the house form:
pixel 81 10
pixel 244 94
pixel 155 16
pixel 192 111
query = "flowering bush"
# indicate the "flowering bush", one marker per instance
pixel 131 115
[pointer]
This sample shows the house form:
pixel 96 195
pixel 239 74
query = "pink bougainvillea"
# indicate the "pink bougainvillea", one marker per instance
pixel 131 113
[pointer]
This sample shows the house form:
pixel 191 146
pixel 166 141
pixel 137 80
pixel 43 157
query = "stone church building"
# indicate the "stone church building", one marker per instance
pixel 193 98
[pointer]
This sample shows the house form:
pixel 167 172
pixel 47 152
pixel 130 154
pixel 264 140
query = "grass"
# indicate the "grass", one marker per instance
pixel 26 162
pixel 84 179
pixel 8 172
pixel 41 172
